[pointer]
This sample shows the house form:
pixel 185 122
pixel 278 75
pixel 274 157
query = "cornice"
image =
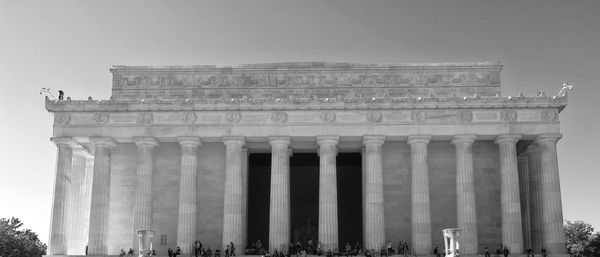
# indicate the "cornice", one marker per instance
pixel 474 102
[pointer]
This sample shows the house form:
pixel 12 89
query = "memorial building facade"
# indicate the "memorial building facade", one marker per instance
pixel 286 152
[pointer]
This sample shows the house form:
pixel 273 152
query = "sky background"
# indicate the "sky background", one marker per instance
pixel 71 45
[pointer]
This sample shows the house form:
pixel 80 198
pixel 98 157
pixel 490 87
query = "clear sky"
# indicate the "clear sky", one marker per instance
pixel 70 45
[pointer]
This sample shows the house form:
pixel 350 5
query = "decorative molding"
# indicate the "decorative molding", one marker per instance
pixel 233 117
pixel 101 117
pixel 374 117
pixel 549 115
pixel 279 117
pixel 328 117
pixel 508 115
pixel 189 117
pixel 418 116
pixel 145 118
pixel 465 115
pixel 62 118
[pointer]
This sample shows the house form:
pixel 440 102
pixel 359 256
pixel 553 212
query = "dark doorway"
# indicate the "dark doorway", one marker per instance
pixel 349 185
pixel 259 188
pixel 304 194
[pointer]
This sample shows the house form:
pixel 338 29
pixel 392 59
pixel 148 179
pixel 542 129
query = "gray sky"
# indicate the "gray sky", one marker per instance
pixel 70 45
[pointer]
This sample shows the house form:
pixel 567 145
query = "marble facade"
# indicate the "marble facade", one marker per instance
pixel 441 148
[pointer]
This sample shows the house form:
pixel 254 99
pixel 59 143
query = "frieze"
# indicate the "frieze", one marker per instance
pixel 101 117
pixel 529 115
pixel 465 115
pixel 298 117
pixel 233 117
pixel 145 118
pixel 189 117
pixel 374 117
pixel 549 115
pixel 508 115
pixel 483 116
pixel 418 116
pixel 62 118
pixel 289 81
pixel 279 117
pixel 327 117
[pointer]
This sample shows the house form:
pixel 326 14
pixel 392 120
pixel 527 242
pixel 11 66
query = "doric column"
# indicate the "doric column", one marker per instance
pixel 524 194
pixel 420 206
pixel 233 227
pixel 142 208
pixel 535 196
pixel 100 207
pixel 279 212
pixel 78 202
pixel 512 233
pixel 244 199
pixel 328 215
pixel 374 219
pixel 186 224
pixel 59 226
pixel 553 236
pixel 89 179
pixel 465 193
pixel 363 155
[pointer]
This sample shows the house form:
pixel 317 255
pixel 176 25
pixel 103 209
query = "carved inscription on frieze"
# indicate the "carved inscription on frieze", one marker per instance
pixel 174 83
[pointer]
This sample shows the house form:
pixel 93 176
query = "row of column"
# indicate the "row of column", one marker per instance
pixel 546 209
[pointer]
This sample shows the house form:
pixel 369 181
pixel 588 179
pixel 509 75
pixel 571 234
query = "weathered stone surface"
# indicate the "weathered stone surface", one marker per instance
pixel 278 107
pixel 284 80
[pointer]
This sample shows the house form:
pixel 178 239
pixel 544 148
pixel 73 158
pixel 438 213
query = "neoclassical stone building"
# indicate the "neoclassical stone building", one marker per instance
pixel 289 151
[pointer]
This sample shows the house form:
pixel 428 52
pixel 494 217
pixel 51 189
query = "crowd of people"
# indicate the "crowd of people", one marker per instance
pixel 303 250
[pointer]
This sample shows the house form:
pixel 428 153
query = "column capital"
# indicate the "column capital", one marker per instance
pixel 415 139
pixel 189 141
pixel 507 138
pixel 533 147
pixel 373 139
pixel 150 142
pixel 64 141
pixel 548 138
pixel 280 140
pixel 103 141
pixel 80 151
pixel 234 140
pixel 324 140
pixel 460 139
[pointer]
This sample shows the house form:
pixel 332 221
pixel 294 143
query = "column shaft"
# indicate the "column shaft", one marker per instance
pixel 59 226
pixel 233 202
pixel 77 205
pixel 244 199
pixel 535 196
pixel 100 206
pixel 328 208
pixel 374 219
pixel 553 236
pixel 142 209
pixel 465 193
pixel 512 233
pixel 279 211
pixel 420 211
pixel 525 203
pixel 186 224
pixel 89 178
